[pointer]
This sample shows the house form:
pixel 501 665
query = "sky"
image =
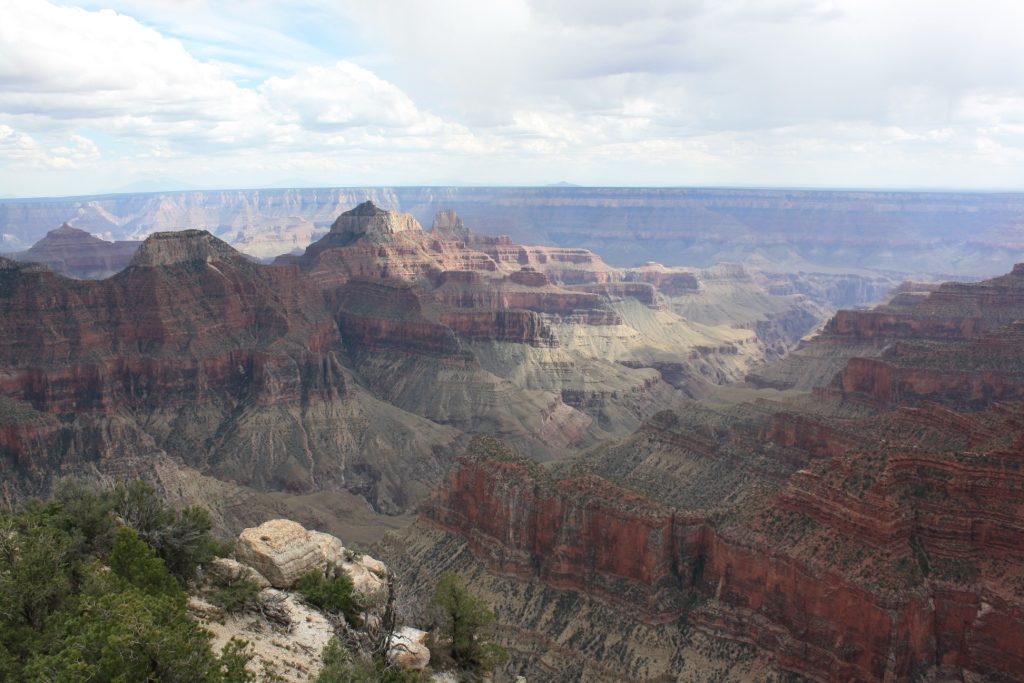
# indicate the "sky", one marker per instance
pixel 128 95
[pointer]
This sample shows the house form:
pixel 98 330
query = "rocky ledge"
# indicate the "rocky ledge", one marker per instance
pixel 286 633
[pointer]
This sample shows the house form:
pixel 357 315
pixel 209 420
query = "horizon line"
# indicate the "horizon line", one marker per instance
pixel 548 186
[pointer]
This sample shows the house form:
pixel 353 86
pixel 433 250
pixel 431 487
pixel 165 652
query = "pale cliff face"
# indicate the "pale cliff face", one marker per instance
pixel 370 221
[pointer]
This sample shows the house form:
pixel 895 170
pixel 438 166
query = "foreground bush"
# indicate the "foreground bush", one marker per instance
pixel 335 595
pixel 464 621
pixel 342 666
pixel 84 597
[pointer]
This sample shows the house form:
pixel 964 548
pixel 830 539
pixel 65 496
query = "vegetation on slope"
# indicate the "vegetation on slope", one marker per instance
pixel 465 619
pixel 91 589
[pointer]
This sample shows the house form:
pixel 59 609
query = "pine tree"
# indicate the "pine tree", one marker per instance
pixel 464 621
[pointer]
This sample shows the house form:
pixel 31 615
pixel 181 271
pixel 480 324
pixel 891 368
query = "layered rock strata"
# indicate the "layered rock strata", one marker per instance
pixel 872 532
pixel 913 324
pixel 356 366
pixel 419 309
pixel 194 352
pixel 838 576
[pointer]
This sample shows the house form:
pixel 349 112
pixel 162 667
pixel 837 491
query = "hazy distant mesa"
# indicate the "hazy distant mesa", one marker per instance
pixel 931 234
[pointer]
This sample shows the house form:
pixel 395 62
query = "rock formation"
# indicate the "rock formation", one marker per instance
pixel 76 253
pixel 961 318
pixel 569 346
pixel 448 225
pixel 281 550
pixel 195 355
pixel 286 635
pixel 370 221
pixel 291 652
pixel 409 649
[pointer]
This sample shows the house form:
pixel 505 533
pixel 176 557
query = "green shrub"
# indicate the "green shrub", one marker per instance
pixel 236 596
pixel 86 514
pixel 137 563
pixel 181 538
pixel 129 635
pixel 234 657
pixel 83 599
pixel 335 595
pixel 342 666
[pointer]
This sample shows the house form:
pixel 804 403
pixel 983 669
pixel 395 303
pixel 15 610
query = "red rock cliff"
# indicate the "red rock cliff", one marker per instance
pixel 817 613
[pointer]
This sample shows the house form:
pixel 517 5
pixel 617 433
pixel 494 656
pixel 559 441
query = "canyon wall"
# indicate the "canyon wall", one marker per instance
pixel 199 355
pixel 356 366
pixel 872 530
pixel 908 594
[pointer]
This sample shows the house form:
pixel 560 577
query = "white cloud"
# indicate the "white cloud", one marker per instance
pixel 19 149
pixel 16 146
pixel 690 91
pixel 74 68
pixel 64 66
pixel 344 96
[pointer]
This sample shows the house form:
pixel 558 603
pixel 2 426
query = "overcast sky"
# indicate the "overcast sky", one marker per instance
pixel 168 94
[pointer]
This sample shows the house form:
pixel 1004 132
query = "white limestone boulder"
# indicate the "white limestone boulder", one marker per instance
pixel 330 546
pixel 367 574
pixel 281 550
pixel 409 649
pixel 226 570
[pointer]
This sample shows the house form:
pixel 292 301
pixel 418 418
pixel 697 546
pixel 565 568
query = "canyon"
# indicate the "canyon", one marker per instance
pixel 651 472
pixel 869 530
pixel 355 371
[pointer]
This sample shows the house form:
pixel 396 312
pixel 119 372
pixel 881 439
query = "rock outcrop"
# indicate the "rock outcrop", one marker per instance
pixel 448 225
pixel 285 635
pixel 281 550
pixel 289 651
pixel 185 247
pixel 367 220
pixel 409 649
pixel 225 570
